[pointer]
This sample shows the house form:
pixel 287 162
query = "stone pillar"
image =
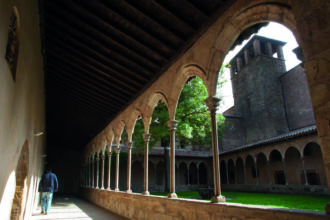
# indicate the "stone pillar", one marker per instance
pixel 102 171
pixel 213 104
pixel 303 162
pixel 109 168
pixel 268 48
pixel 246 55
pixel 280 54
pixel 256 47
pixel 146 138
pixel 129 163
pixel 97 171
pixel 285 172
pixel 256 170
pixel 198 176
pixel 269 172
pixel 172 127
pixel 188 176
pixel 239 62
pixel 245 177
pixel 117 169
pixel 227 175
pixel 93 173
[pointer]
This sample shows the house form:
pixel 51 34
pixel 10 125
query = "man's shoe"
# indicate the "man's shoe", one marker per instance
pixel 42 212
pixel 45 213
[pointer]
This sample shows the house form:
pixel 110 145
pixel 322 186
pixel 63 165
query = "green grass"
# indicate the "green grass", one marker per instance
pixel 303 202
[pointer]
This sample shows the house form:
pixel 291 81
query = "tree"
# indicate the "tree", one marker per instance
pixel 194 127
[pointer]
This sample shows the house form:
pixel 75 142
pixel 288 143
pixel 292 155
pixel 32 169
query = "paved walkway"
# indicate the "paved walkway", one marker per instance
pixel 70 208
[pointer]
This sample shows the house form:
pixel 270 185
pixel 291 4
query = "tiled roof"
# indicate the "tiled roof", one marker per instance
pixel 292 134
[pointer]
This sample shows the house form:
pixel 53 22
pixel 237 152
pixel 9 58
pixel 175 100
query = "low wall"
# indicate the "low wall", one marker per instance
pixel 136 206
pixel 290 189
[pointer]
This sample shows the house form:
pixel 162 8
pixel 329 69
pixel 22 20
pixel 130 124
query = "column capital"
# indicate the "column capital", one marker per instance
pixel 129 145
pixel 102 157
pixel 212 103
pixel 172 125
pixel 109 153
pixel 97 158
pixel 146 137
pixel 117 150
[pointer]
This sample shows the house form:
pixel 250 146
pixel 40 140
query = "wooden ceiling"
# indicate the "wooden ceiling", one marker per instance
pixel 100 55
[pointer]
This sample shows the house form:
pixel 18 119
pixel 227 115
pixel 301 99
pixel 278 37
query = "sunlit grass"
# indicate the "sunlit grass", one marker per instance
pixel 303 202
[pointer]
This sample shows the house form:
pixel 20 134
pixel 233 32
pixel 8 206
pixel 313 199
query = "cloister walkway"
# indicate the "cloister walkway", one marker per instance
pixel 70 208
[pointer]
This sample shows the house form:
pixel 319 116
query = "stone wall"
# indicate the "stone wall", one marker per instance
pixel 298 104
pixel 135 206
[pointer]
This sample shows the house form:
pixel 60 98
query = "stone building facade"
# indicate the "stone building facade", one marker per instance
pixel 271 141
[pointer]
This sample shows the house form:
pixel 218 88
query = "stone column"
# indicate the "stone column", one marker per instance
pixel 102 171
pixel 117 169
pixel 172 127
pixel 129 162
pixel 109 167
pixel 239 62
pixel 280 54
pixel 93 173
pixel 256 47
pixel 245 177
pixel 246 56
pixel 213 104
pixel 270 173
pixel 268 49
pixel 256 170
pixel 146 138
pixel 286 174
pixel 227 175
pixel 97 171
pixel 188 177
pixel 303 162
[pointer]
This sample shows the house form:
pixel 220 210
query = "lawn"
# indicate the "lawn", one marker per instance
pixel 304 202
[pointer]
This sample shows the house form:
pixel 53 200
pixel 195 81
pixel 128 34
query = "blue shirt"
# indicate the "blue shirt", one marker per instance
pixel 48 183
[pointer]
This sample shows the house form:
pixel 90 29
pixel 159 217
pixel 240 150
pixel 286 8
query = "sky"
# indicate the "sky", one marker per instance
pixel 274 31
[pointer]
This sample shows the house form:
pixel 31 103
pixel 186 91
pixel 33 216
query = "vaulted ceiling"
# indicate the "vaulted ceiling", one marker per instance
pixel 100 55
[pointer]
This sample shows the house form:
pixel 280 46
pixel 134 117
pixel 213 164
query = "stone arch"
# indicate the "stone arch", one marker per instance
pixel 160 174
pixel 151 175
pixel 277 167
pixel 314 164
pixel 202 169
pixel 223 172
pixel 251 175
pixel 193 173
pixel 183 173
pixel 22 169
pixel 293 163
pixel 262 169
pixel 240 170
pixel 230 29
pixel 231 172
pixel 137 176
pixel 184 74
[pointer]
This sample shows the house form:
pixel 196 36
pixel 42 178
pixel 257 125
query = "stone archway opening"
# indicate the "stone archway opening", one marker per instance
pixel 21 183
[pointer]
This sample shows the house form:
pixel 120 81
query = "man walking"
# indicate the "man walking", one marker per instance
pixel 48 184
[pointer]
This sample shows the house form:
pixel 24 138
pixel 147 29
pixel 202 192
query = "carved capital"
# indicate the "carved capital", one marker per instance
pixel 97 158
pixel 172 125
pixel 146 137
pixel 117 150
pixel 212 103
pixel 109 153
pixel 102 157
pixel 129 145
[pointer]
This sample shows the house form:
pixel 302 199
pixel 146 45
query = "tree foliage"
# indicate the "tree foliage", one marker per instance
pixel 194 124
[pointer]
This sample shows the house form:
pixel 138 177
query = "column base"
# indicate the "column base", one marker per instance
pixel 108 189
pixel 128 191
pixel 102 188
pixel 145 193
pixel 172 196
pixel 117 190
pixel 217 199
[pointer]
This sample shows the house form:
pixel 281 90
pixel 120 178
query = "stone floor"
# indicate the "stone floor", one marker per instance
pixel 70 208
